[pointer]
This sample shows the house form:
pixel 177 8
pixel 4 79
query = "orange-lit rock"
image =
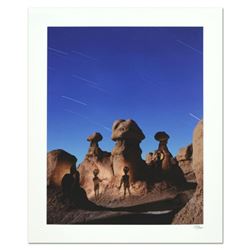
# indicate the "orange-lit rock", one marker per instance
pixel 127 151
pixel 58 164
pixel 95 158
pixel 192 213
pixel 184 158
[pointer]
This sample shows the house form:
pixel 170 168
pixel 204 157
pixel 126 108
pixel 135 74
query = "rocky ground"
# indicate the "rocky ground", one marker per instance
pixel 157 207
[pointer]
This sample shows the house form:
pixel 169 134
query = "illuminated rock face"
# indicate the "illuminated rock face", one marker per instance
pixel 127 151
pixel 198 153
pixel 95 159
pixel 58 164
pixel 192 213
pixel 94 152
pixel 185 153
pixel 184 158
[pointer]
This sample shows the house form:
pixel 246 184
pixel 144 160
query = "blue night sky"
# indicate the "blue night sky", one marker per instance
pixel 100 74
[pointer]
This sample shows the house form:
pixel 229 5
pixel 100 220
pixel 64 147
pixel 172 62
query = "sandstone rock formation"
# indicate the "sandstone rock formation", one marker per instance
pixel 162 165
pixel 149 181
pixel 198 153
pixel 184 158
pixel 185 153
pixel 163 137
pixel 58 164
pixel 127 151
pixel 95 158
pixel 192 213
pixel 94 150
pixel 95 153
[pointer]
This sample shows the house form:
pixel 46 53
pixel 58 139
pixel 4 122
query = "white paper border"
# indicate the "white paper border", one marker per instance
pixel 211 20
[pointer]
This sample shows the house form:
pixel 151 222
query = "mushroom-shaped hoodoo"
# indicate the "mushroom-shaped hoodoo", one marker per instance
pixel 163 137
pixel 127 151
pixel 95 137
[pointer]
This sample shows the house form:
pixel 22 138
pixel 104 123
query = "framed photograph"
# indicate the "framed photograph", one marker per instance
pixel 125 125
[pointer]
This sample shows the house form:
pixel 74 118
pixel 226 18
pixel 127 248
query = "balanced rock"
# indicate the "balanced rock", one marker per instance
pixel 163 137
pixel 162 166
pixel 127 151
pixel 94 152
pixel 192 213
pixel 170 169
pixel 58 164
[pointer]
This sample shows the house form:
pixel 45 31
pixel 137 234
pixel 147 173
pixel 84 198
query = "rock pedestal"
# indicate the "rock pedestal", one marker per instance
pixel 94 152
pixel 127 151
pixel 95 159
pixel 163 137
pixel 162 165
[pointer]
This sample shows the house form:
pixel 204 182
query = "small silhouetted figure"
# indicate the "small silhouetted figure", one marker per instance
pixel 78 194
pixel 74 193
pixel 125 181
pixel 67 183
pixel 96 181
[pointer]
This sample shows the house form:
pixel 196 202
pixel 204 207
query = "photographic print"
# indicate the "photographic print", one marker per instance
pixel 125 125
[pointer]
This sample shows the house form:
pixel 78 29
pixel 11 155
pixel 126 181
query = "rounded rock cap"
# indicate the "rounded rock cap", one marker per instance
pixel 126 129
pixel 161 136
pixel 96 136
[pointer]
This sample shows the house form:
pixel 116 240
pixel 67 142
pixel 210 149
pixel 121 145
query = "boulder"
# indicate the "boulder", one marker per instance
pixel 58 164
pixel 192 212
